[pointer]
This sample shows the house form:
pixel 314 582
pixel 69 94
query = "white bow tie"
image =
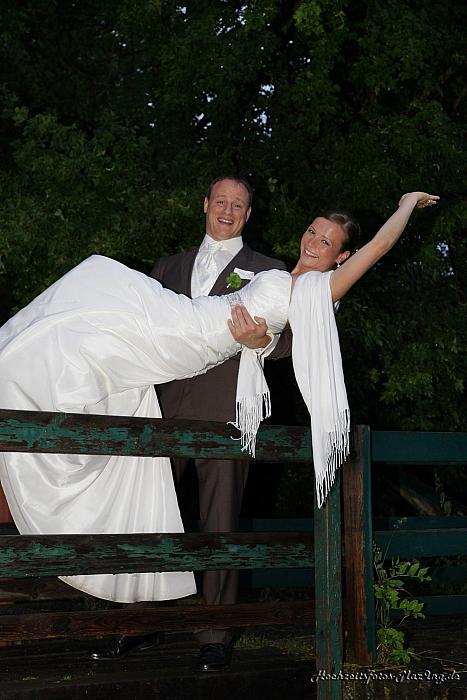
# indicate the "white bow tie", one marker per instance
pixel 208 270
pixel 211 247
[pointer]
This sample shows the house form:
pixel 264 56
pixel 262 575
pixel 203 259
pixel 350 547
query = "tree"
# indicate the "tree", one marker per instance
pixel 117 114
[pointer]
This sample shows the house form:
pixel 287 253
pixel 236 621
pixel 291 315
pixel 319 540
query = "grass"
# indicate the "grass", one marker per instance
pixel 299 647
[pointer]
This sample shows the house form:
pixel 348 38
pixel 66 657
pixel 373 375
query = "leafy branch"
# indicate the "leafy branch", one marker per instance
pixel 388 587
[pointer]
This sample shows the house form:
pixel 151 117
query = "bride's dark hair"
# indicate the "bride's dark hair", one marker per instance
pixel 350 226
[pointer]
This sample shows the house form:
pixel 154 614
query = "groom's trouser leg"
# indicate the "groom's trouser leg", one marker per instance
pixel 221 485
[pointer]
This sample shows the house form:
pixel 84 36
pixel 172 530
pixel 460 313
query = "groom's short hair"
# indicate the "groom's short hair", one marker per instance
pixel 240 180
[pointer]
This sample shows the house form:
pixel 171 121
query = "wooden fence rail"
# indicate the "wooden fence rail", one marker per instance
pixel 77 433
pixel 91 623
pixel 24 431
pixel 70 555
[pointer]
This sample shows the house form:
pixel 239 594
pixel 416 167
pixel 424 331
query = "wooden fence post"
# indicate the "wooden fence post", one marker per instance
pixel 328 596
pixel 5 515
pixel 359 611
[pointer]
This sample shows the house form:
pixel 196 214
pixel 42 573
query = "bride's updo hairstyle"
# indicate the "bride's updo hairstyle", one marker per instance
pixel 349 225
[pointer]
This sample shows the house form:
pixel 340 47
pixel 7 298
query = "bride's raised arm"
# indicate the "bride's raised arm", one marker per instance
pixel 360 262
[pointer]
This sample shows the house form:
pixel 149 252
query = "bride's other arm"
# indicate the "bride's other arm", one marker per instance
pixel 360 262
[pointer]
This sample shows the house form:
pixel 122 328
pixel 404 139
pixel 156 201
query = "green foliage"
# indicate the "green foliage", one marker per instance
pixel 75 194
pixel 116 115
pixel 299 647
pixel 388 586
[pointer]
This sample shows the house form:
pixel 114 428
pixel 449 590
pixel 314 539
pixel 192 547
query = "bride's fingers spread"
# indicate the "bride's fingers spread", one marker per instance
pixel 427 201
pixel 423 199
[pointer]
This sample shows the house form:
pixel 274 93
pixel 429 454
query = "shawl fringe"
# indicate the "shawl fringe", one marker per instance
pixel 250 411
pixel 336 449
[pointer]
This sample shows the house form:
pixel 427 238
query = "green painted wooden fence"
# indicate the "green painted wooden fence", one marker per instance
pixel 51 555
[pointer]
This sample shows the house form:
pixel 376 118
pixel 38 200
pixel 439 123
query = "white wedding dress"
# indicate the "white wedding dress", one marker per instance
pixel 96 342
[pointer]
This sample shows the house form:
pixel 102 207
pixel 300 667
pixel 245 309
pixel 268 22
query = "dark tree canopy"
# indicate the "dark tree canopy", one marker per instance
pixel 116 115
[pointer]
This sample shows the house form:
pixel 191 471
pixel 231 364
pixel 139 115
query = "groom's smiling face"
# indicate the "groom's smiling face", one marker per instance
pixel 227 210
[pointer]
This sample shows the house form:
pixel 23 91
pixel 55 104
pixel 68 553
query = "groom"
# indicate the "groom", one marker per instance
pixel 205 270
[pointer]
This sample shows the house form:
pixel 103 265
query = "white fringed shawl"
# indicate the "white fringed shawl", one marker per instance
pixel 318 370
pixel 253 400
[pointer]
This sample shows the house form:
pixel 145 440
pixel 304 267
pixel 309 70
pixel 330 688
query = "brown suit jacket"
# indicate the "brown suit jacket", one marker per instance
pixel 210 396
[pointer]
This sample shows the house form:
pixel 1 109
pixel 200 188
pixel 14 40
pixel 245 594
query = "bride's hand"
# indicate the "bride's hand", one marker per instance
pixel 248 331
pixel 420 199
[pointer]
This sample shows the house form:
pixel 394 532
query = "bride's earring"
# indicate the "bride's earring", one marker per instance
pixel 338 264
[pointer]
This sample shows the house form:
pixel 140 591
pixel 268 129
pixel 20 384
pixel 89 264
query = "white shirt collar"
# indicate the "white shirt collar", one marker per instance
pixel 231 245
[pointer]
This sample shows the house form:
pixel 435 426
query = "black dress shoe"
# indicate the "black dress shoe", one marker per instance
pixel 122 646
pixel 214 657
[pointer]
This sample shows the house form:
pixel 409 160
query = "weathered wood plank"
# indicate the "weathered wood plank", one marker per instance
pixel 43 589
pixel 76 433
pixel 404 447
pixel 359 609
pixel 65 555
pixel 422 543
pixel 37 589
pixel 328 592
pixel 76 625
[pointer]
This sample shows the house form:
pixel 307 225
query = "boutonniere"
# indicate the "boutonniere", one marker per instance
pixel 234 280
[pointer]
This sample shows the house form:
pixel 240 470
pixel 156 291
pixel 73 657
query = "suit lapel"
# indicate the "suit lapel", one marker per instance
pixel 241 260
pixel 185 272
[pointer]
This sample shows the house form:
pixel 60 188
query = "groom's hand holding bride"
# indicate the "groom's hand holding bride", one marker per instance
pixel 248 331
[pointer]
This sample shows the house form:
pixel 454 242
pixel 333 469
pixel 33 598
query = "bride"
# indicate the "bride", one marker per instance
pixel 98 340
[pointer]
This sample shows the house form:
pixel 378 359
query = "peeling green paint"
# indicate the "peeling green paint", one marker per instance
pixel 88 434
pixel 106 554
pixel 146 436
pixel 34 436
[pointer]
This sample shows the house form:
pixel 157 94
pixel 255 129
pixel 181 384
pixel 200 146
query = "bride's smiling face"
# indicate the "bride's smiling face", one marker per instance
pixel 321 246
